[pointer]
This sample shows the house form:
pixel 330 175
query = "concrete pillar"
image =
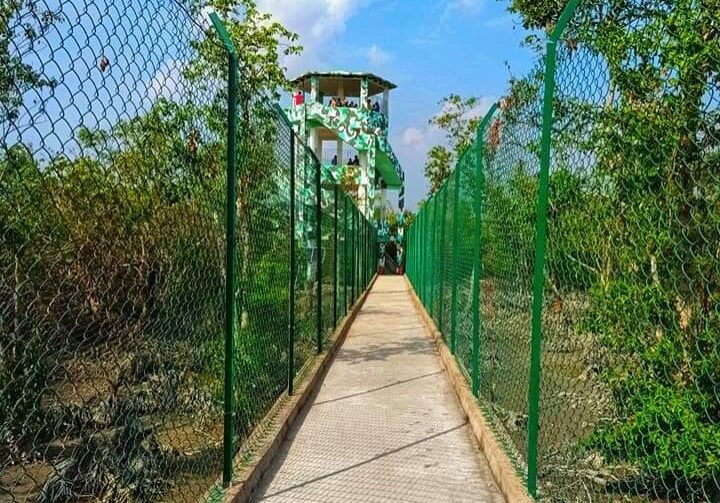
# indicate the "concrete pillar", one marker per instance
pixel 314 89
pixel 363 202
pixel 314 142
pixel 386 105
pixel 363 92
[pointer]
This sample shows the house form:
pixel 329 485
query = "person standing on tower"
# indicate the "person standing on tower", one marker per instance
pixel 298 98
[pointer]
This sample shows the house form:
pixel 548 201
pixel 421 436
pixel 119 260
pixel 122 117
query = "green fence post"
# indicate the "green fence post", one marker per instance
pixel 359 255
pixel 353 233
pixel 335 254
pixel 433 256
pixel 455 261
pixel 366 250
pixel 345 249
pixel 318 269
pixel 477 248
pixel 293 272
pixel 362 253
pixel 366 253
pixel 358 291
pixel 441 289
pixel 421 253
pixel 418 254
pixel 414 251
pixel 426 251
pixel 231 255
pixel 410 252
pixel 373 253
pixel 431 265
pixel 375 250
pixel 540 246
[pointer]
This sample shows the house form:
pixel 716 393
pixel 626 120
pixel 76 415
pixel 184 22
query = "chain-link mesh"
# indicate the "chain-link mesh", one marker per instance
pixel 113 127
pixel 628 386
pixel 462 258
pixel 631 353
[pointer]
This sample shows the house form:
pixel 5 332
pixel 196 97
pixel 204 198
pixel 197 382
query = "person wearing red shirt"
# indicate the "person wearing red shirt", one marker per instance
pixel 298 98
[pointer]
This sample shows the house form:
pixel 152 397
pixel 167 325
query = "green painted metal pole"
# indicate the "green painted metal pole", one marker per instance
pixel 366 249
pixel 293 272
pixel 412 232
pixel 408 255
pixel 430 240
pixel 318 269
pixel 335 255
pixel 363 249
pixel 425 244
pixel 477 248
pixel 353 233
pixel 345 253
pixel 412 241
pixel 231 254
pixel 433 257
pixel 418 252
pixel 427 251
pixel 441 289
pixel 366 252
pixel 539 272
pixel 358 257
pixel 360 253
pixel 421 253
pixel 540 247
pixel 415 252
pixel 373 251
pixel 455 262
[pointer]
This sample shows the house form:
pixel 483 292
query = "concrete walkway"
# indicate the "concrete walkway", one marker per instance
pixel 385 425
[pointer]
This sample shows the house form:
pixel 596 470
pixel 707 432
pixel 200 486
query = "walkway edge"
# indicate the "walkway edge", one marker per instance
pixel 282 416
pixel 502 469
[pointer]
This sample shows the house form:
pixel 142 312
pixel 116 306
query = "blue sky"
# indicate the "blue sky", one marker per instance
pixel 429 48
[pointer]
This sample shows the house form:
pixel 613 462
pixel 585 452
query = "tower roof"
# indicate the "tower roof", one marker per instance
pixel 351 82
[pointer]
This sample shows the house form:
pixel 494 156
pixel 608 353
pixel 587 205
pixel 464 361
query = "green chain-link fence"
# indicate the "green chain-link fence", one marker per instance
pixel 584 265
pixel 119 357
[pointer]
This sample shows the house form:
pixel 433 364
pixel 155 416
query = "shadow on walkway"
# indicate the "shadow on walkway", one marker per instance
pixel 385 424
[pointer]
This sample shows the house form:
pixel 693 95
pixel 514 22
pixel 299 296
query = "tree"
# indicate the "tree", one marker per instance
pixel 438 167
pixel 22 214
pixel 117 247
pixel 23 23
pixel 260 41
pixel 459 119
pixel 654 160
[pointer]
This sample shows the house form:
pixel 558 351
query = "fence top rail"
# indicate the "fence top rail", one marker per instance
pixel 223 34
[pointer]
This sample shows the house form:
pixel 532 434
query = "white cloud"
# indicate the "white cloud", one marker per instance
pixel 420 139
pixel 377 57
pixel 412 144
pixel 479 110
pixel 482 107
pixel 316 21
pixel 413 137
pixel 498 22
pixel 463 6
